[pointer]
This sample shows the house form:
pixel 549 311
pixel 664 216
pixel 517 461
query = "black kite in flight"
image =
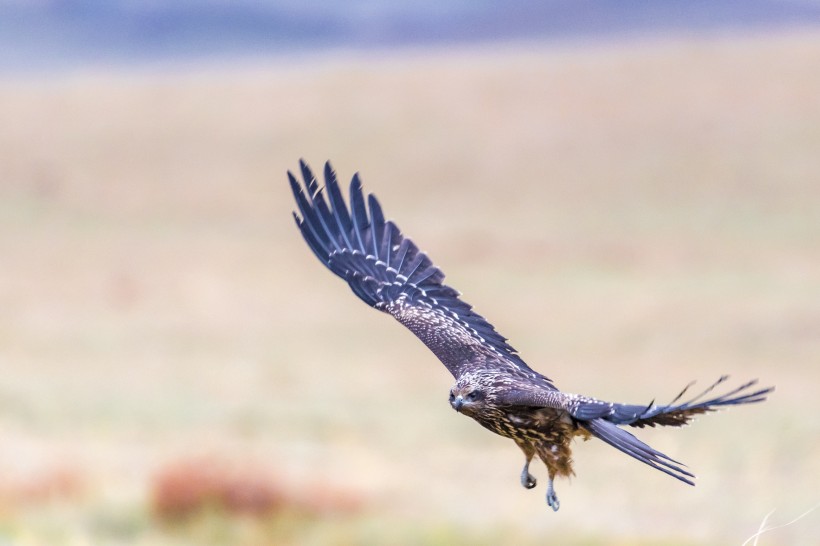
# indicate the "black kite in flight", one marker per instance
pixel 493 385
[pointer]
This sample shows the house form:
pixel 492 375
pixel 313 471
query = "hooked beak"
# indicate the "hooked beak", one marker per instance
pixel 457 403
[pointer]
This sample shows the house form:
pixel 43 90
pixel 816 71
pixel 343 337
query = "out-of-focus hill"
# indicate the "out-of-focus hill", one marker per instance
pixel 49 35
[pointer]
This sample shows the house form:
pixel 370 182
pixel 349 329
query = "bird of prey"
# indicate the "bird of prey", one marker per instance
pixel 493 384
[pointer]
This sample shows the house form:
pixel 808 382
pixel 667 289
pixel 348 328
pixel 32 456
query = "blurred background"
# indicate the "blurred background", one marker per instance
pixel 630 193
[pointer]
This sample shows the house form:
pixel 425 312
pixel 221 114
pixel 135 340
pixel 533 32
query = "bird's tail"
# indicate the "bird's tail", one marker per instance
pixel 673 414
pixel 626 442
pixel 602 420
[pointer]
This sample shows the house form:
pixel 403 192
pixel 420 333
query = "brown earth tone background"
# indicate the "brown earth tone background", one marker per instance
pixel 632 216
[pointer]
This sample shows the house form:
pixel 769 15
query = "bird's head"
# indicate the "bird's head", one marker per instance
pixel 468 396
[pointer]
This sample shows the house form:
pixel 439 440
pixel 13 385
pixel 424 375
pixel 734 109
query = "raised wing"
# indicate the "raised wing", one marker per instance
pixel 387 271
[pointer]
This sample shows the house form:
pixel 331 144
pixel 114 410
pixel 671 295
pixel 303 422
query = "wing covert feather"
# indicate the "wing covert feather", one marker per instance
pixel 388 271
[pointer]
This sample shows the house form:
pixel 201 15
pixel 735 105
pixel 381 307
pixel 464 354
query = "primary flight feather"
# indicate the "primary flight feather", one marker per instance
pixel 493 384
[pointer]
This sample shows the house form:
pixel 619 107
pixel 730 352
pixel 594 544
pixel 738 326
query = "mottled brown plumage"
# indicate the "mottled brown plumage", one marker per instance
pixel 493 384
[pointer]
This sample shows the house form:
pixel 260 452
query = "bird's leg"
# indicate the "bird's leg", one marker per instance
pixel 552 498
pixel 556 457
pixel 527 479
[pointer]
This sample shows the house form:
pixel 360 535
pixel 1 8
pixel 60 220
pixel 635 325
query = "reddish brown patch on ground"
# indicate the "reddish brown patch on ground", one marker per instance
pixel 40 486
pixel 188 486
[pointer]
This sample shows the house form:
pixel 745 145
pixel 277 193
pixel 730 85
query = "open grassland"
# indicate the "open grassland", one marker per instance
pixel 632 216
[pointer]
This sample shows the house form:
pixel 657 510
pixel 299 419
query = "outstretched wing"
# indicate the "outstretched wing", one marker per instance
pixel 674 414
pixel 603 419
pixel 387 271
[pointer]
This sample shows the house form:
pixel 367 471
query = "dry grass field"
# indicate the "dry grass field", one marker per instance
pixel 632 216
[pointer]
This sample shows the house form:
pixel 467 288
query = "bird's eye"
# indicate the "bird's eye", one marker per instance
pixel 452 397
pixel 472 396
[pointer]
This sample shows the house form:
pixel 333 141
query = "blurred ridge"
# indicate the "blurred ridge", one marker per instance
pixel 54 35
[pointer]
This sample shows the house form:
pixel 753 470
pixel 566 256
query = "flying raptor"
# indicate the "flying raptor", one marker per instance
pixel 493 384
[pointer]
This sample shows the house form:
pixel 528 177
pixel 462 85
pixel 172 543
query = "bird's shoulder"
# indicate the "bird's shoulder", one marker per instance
pixel 507 377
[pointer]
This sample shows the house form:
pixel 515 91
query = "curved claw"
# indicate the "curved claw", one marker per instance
pixel 528 481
